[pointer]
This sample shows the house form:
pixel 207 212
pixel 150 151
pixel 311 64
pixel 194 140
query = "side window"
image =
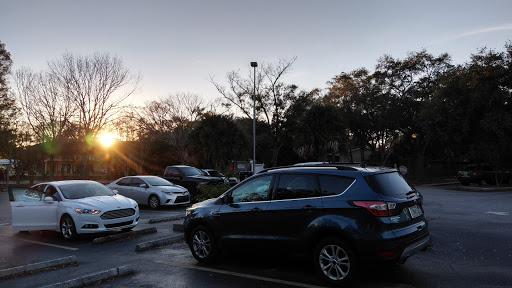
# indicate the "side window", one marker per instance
pixel 296 186
pixel 334 185
pixel 39 187
pixel 136 182
pixel 124 182
pixel 172 172
pixel 255 190
pixel 31 195
pixel 52 192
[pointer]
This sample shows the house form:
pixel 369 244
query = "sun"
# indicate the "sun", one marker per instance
pixel 107 139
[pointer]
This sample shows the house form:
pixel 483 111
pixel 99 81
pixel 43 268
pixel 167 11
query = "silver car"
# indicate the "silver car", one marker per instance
pixel 151 190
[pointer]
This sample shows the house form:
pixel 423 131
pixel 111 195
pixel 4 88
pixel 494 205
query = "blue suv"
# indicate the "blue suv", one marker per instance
pixel 340 215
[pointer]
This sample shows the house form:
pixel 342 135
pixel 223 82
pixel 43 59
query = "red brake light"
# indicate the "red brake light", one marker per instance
pixel 474 173
pixel 377 208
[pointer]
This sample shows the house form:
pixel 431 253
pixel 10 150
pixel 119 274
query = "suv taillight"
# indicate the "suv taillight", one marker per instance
pixel 377 208
pixel 474 173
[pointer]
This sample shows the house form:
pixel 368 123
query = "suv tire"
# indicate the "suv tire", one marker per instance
pixel 204 247
pixel 335 261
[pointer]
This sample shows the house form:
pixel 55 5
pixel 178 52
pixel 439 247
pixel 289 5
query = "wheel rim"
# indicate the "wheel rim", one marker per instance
pixel 334 262
pixel 153 202
pixel 202 245
pixel 67 228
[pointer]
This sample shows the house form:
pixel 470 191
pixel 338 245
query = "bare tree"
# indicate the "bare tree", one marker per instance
pixel 170 119
pixel 273 96
pixel 97 85
pixel 47 108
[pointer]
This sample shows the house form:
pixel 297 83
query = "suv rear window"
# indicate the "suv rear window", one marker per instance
pixel 390 184
pixel 334 185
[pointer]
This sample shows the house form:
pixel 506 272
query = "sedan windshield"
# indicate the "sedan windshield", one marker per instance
pixel 84 190
pixel 157 181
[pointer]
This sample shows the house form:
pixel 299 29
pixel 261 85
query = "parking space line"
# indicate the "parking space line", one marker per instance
pixel 4 224
pixel 249 276
pixel 51 245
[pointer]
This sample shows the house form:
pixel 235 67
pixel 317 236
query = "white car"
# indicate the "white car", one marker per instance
pixel 72 207
pixel 151 190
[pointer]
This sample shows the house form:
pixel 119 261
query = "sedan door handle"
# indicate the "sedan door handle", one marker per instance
pixel 215 213
pixel 307 208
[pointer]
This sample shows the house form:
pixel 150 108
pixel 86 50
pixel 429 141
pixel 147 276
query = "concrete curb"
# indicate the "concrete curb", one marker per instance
pixel 164 219
pixel 159 242
pixel 115 237
pixel 61 262
pixel 94 278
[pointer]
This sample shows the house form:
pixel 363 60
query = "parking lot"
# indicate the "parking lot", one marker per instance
pixel 471 247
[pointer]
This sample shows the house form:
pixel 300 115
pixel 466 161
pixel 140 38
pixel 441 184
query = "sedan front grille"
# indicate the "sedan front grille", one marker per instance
pixel 118 214
pixel 181 199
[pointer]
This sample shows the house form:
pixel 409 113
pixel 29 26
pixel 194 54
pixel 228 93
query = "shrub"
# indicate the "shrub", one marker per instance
pixel 208 191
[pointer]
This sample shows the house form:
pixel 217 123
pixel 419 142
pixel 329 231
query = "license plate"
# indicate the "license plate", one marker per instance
pixel 415 211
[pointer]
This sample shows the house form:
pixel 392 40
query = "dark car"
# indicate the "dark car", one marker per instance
pixel 482 174
pixel 215 173
pixel 340 215
pixel 189 177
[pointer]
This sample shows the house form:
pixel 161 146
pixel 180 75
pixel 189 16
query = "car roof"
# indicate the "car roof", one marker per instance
pixel 332 167
pixel 66 182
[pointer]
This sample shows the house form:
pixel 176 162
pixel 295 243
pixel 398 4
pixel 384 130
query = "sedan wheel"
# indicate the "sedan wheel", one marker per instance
pixel 153 202
pixel 334 261
pixel 67 228
pixel 203 245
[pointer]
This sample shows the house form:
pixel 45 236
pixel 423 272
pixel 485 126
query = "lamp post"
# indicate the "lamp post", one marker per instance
pixel 254 65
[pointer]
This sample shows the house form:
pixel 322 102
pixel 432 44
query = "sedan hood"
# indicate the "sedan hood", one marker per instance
pixel 104 203
pixel 174 188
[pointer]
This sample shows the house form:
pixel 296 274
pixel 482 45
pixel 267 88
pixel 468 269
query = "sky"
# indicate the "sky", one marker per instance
pixel 177 46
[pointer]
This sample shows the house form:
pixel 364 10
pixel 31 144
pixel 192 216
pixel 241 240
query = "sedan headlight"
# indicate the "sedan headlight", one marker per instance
pixel 86 211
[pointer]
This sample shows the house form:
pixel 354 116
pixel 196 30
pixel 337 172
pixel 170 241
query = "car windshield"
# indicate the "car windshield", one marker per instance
pixel 157 181
pixel 84 190
pixel 215 173
pixel 390 184
pixel 191 171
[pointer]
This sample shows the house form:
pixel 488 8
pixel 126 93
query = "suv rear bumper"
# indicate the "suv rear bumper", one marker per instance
pixel 414 247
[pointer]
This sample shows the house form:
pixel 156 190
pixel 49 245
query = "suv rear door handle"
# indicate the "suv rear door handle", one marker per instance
pixel 307 208
pixel 256 210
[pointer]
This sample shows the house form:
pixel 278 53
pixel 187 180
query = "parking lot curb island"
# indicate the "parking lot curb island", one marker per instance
pixel 12 272
pixel 159 242
pixel 94 278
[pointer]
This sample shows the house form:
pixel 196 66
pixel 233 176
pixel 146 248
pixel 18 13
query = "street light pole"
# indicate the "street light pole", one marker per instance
pixel 254 65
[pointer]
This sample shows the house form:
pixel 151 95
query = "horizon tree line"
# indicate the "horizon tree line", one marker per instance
pixel 413 111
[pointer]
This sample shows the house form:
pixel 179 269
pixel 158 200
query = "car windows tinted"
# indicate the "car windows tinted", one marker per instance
pixel 252 191
pixel 136 182
pixel 124 182
pixel 390 184
pixel 172 172
pixel 296 186
pixel 333 185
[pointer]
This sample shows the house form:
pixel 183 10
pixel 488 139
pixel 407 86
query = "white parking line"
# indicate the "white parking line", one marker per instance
pixel 297 284
pixel 4 224
pixel 51 245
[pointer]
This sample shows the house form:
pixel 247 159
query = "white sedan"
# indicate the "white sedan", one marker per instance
pixel 72 207
pixel 151 190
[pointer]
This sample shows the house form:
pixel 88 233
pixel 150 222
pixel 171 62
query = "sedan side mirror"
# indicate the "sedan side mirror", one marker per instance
pixel 144 185
pixel 48 199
